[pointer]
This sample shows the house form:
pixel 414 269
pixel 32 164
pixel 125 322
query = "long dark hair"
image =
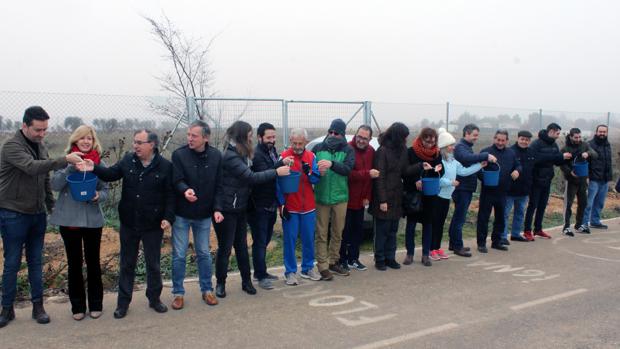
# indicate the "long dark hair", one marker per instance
pixel 238 134
pixel 395 136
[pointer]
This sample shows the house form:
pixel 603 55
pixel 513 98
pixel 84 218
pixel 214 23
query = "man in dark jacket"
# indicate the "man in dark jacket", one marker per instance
pixel 25 194
pixel 464 153
pixel 145 210
pixel 575 184
pixel 494 196
pixel 263 203
pixel 600 175
pixel 520 188
pixel 546 155
pixel 196 176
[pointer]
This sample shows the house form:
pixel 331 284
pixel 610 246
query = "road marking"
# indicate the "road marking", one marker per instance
pixel 407 337
pixel 548 299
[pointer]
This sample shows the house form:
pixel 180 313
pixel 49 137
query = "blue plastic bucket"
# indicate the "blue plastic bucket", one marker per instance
pixel 430 186
pixel 82 185
pixel 490 178
pixel 289 184
pixel 580 168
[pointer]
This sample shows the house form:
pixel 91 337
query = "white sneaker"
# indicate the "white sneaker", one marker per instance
pixel 311 274
pixel 291 279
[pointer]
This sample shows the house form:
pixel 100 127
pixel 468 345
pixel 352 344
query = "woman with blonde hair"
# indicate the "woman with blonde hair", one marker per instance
pixel 80 224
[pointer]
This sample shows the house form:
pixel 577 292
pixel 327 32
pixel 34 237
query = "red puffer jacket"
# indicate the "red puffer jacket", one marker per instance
pixel 360 183
pixel 303 200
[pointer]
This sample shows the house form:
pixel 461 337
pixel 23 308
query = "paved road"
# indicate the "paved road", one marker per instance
pixel 559 293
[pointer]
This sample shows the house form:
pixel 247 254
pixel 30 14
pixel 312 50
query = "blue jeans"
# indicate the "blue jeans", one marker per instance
pixel 299 224
pixel 462 199
pixel 180 241
pixel 261 223
pixel 597 193
pixel 21 230
pixel 519 203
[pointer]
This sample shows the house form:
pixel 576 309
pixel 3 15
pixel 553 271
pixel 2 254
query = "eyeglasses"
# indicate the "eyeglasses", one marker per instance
pixel 140 142
pixel 360 138
pixel 333 133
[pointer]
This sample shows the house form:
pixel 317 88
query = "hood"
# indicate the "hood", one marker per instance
pixel 544 136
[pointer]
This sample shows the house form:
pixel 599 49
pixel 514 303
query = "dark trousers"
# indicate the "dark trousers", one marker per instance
pixel 439 219
pixel 461 199
pixel 427 235
pixel 232 232
pixel 130 245
pixel 83 244
pixel 496 201
pixel 571 190
pixel 352 236
pixel 261 223
pixel 385 239
pixel 539 197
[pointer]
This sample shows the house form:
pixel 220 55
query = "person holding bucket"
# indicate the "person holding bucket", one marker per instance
pixel 424 155
pixel 25 198
pixel 576 179
pixel 298 208
pixel 495 184
pixel 80 223
pixel 448 183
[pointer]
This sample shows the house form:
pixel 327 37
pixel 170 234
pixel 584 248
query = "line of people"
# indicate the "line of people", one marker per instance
pixel 239 187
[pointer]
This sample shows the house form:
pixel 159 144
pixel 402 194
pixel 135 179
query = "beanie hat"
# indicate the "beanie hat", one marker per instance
pixel 444 138
pixel 338 126
pixel 36 113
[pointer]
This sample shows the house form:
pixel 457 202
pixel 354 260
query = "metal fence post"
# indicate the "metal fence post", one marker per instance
pixel 285 130
pixel 540 121
pixel 608 118
pixel 191 109
pixel 367 113
pixel 448 116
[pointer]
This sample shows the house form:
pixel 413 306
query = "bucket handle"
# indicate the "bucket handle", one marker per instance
pixel 499 168
pixel 433 171
pixel 582 162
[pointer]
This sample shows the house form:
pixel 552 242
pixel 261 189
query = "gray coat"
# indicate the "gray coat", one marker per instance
pixel 71 213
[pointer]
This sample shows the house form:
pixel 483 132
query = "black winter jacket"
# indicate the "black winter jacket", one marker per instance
pixel 464 154
pixel 523 185
pixel 547 154
pixel 576 150
pixel 508 162
pixel 418 171
pixel 237 181
pixel 600 168
pixel 201 172
pixel 147 197
pixel 264 195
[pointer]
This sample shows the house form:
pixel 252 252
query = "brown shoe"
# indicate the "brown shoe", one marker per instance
pixel 209 298
pixel 177 303
pixel 408 260
pixel 326 275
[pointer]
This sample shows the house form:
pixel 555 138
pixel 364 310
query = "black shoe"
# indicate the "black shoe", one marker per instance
pixel 451 248
pixel 426 261
pixel 7 314
pixel 380 266
pixel 120 312
pixel 39 314
pixel 499 246
pixel 568 232
pixel 392 264
pixel 483 249
pixel 220 290
pixel 504 242
pixel 158 306
pixel 599 226
pixel 518 238
pixel 463 253
pixel 248 287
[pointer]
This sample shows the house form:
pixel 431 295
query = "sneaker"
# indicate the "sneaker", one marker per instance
pixel 442 254
pixel 291 279
pixel 504 242
pixel 568 232
pixel 311 275
pixel 357 265
pixel 265 284
pixel 345 266
pixel 326 275
pixel 542 234
pixel 338 270
pixel 518 238
pixel 598 226
pixel 528 235
pixel 269 276
pixel 434 255
pixel 583 230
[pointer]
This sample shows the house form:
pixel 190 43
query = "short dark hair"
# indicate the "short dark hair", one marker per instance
pixel 502 131
pixel 524 133
pixel 469 128
pixel 365 127
pixel 151 136
pixel 34 113
pixel 260 131
pixel 574 131
pixel 203 125
pixel 601 125
pixel 553 126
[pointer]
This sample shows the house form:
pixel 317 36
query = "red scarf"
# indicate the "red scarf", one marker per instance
pixel 424 153
pixel 91 155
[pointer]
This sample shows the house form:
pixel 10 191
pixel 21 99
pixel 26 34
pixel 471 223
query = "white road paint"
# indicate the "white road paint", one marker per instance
pixel 548 299
pixel 407 337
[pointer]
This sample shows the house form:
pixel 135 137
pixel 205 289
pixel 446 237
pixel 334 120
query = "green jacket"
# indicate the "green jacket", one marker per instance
pixel 333 188
pixel 24 180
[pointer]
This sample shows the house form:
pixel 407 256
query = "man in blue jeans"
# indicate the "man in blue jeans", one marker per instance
pixel 600 175
pixel 462 195
pixel 520 188
pixel 196 176
pixel 25 196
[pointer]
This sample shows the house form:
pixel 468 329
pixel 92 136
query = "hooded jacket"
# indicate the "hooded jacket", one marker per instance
pixel 600 168
pixel 360 183
pixel 576 150
pixel 264 195
pixel 333 188
pixel 523 184
pixel 546 154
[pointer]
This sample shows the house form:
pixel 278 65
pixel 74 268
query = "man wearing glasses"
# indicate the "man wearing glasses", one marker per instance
pixel 145 210
pixel 335 161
